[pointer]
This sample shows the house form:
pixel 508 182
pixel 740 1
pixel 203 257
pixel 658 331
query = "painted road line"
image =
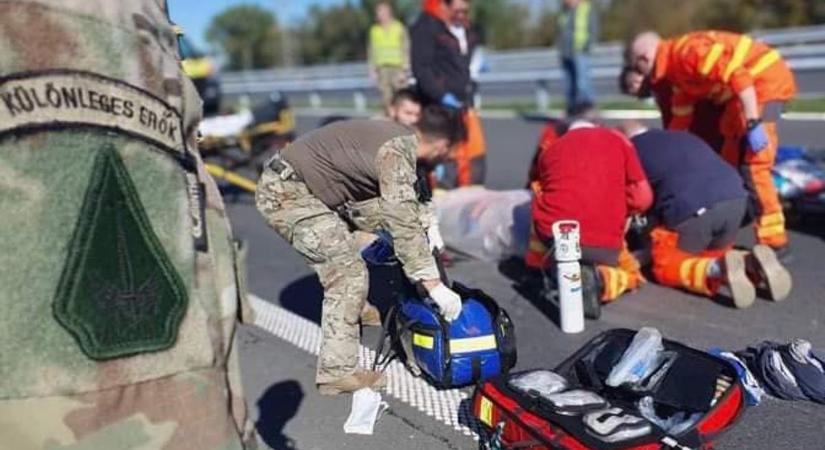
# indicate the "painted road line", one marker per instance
pixel 450 407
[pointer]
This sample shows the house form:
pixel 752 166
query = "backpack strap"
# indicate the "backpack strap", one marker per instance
pixel 382 359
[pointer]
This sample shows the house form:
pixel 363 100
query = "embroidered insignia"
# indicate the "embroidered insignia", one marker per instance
pixel 119 293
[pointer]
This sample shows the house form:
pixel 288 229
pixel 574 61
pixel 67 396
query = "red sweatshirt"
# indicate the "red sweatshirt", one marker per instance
pixel 593 175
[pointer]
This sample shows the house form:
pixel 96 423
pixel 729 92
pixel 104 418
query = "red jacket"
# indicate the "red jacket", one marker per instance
pixel 592 175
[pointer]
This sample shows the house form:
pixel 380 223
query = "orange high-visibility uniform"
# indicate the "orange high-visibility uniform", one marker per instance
pixel 717 66
pixel 625 277
pixel 677 268
pixel 469 155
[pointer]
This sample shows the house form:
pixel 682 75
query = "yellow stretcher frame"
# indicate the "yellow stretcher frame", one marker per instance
pixel 231 177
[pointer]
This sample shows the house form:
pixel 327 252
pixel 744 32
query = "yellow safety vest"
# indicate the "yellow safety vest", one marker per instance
pixel 581 29
pixel 387 44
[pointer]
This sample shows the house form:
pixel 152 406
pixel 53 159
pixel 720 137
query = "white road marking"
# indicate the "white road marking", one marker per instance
pixel 447 406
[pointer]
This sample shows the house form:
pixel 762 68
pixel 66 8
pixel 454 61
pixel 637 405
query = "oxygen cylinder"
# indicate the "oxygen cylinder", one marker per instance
pixel 569 276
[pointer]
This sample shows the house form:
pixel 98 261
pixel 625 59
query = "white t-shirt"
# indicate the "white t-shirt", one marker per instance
pixel 461 34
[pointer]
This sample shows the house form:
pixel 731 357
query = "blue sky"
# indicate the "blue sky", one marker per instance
pixel 194 15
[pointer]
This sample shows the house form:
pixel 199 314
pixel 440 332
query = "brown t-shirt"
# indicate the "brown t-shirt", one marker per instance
pixel 337 162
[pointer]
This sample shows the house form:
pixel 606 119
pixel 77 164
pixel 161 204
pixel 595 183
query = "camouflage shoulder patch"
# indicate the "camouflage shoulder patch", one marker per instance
pixel 119 293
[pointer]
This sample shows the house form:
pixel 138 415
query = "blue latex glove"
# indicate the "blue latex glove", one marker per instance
pixel 758 138
pixel 449 100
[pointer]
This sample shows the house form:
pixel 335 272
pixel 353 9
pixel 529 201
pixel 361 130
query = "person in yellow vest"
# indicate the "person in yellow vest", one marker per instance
pixel 577 33
pixel 388 53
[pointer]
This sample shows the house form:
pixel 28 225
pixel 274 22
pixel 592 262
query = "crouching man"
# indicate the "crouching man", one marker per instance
pixel 700 203
pixel 364 171
pixel 592 175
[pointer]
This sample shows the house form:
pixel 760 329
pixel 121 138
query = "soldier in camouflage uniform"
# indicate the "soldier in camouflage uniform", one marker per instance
pixel 367 169
pixel 118 270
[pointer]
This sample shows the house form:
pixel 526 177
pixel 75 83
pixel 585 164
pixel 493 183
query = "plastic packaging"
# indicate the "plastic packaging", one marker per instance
pixel 640 360
pixel 576 401
pixel 615 425
pixel 675 424
pixel 753 390
pixel 542 382
pixel 366 408
pixel 485 224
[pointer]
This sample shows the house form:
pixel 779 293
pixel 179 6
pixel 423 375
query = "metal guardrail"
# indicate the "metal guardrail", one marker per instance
pixel 803 48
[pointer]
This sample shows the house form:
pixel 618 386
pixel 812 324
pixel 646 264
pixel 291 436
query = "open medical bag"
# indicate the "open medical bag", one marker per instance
pixel 695 384
pixel 478 345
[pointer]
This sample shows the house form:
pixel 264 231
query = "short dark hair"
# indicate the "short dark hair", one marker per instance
pixel 440 122
pixel 405 94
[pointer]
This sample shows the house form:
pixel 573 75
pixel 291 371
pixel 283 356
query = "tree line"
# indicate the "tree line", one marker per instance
pixel 250 37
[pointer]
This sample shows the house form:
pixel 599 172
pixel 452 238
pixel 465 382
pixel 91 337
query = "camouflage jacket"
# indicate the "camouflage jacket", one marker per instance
pixel 118 269
pixel 398 210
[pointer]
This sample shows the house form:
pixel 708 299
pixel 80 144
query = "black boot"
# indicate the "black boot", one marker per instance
pixel 592 288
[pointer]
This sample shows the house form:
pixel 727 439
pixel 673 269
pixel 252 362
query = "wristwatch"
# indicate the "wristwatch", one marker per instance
pixel 753 123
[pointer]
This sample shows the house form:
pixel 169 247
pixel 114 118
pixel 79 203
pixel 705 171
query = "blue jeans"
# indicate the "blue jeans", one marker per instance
pixel 576 70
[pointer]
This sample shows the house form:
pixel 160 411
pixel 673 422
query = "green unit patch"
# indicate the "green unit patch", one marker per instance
pixel 119 293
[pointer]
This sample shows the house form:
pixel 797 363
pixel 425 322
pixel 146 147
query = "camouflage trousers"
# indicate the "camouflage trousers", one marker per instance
pixel 327 245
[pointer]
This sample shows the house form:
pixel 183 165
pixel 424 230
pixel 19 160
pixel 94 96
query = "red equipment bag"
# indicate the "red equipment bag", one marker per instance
pixel 695 382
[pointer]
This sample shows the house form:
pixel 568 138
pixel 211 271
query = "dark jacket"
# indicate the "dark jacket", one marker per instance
pixel 686 175
pixel 438 65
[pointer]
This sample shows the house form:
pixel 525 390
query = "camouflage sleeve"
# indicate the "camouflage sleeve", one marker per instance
pixel 401 211
pixel 427 214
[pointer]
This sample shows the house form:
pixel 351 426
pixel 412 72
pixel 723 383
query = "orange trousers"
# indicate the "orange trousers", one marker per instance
pixel 756 168
pixel 625 277
pixel 469 156
pixel 676 268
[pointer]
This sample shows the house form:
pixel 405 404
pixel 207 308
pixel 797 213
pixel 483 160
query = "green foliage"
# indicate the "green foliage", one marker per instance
pixel 247 35
pixel 334 34
pixel 508 24
pixel 623 18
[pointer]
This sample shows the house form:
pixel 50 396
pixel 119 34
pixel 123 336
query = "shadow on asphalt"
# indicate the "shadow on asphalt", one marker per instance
pixel 304 297
pixel 528 284
pixel 276 407
pixel 811 225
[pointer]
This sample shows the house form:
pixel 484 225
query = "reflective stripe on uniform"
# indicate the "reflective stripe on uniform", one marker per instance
pixel 776 218
pixel 686 270
pixel 739 54
pixel 693 274
pixel 773 230
pixel 622 282
pixel 473 344
pixel 767 60
pixel 681 41
pixel 700 271
pixel 711 59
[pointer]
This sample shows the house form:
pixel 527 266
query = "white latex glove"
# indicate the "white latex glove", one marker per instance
pixel 434 237
pixel 448 301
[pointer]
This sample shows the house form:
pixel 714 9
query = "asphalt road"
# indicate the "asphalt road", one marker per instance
pixel 290 414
